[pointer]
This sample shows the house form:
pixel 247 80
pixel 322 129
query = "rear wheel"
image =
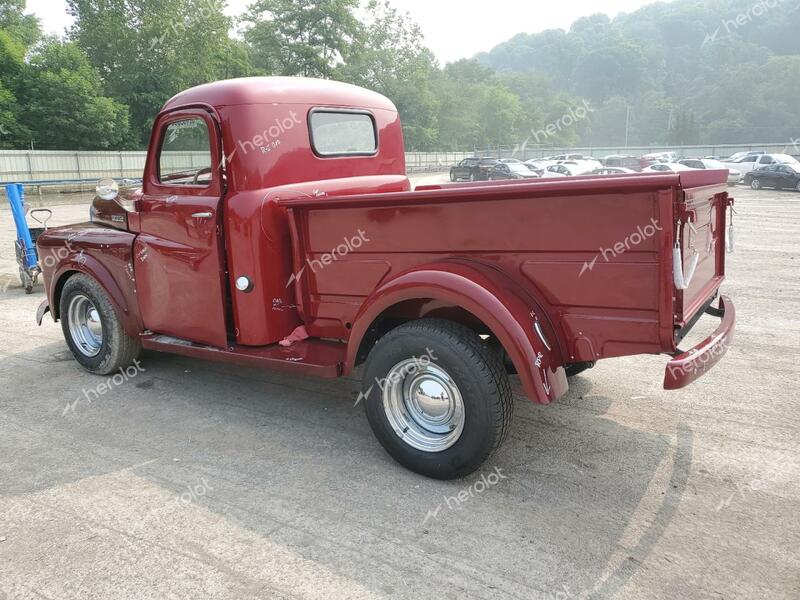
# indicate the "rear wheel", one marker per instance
pixel 755 184
pixel 452 176
pixel 92 328
pixel 437 397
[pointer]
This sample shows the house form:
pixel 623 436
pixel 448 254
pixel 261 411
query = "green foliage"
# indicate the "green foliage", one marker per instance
pixel 309 38
pixel 687 71
pixel 64 102
pixel 149 50
pixel 696 71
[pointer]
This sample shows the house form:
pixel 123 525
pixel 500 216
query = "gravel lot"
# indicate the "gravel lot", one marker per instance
pixel 199 480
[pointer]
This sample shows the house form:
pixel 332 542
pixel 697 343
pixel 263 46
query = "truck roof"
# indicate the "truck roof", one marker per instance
pixel 279 90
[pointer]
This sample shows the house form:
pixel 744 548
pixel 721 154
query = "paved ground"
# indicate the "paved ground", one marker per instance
pixel 196 480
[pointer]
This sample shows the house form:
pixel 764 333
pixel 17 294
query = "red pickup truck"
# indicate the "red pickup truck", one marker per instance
pixel 275 227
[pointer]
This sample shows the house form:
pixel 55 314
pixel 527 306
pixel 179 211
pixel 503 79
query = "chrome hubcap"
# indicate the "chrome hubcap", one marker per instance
pixel 423 405
pixel 85 325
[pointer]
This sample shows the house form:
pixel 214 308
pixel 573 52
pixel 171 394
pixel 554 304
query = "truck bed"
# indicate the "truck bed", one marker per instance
pixel 596 253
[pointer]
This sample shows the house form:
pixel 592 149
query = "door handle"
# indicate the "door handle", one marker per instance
pixel 203 215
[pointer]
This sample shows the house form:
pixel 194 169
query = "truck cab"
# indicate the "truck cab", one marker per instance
pixel 275 227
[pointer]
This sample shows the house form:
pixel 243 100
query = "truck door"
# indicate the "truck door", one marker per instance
pixel 178 262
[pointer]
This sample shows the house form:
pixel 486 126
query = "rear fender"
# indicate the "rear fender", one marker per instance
pixel 489 295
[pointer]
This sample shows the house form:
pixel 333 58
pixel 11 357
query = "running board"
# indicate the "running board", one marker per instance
pixel 310 357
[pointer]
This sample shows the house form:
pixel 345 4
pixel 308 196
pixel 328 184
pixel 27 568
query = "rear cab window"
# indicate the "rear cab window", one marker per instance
pixel 339 132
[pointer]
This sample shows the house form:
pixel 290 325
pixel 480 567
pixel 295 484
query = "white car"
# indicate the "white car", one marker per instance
pixel 666 168
pixel 613 171
pixel 563 170
pixel 734 175
pixel 581 167
pixel 538 166
pixel 752 162
pixel 662 157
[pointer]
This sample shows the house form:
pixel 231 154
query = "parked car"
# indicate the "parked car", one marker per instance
pixel 580 167
pixel 503 170
pixel 474 169
pixel 734 175
pixel 659 157
pixel 564 170
pixel 778 176
pixel 538 165
pixel 752 162
pixel 315 257
pixel 613 171
pixel 625 161
pixel 741 155
pixel 666 167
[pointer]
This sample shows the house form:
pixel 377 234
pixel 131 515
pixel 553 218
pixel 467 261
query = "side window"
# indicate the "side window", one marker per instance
pixel 340 133
pixel 767 160
pixel 185 154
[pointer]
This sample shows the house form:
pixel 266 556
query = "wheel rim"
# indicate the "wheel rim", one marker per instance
pixel 85 325
pixel 423 405
pixel 756 184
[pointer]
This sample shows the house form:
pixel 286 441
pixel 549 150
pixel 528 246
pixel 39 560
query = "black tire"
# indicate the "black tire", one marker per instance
pixel 797 187
pixel 755 184
pixel 117 350
pixel 453 176
pixel 482 383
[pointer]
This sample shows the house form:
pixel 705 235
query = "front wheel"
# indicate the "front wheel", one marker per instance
pixel 755 184
pixel 452 176
pixel 92 328
pixel 437 397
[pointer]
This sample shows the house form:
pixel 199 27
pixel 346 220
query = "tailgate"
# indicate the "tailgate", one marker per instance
pixel 700 234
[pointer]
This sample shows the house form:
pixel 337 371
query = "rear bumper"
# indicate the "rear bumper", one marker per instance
pixel 693 364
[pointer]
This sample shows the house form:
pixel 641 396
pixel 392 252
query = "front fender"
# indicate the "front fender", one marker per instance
pixel 489 295
pixel 102 253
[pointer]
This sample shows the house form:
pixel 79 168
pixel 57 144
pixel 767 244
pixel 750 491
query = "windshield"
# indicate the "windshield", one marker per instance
pixel 518 168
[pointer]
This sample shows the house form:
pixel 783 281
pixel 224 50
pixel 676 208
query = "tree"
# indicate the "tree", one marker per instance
pixel 309 38
pixel 146 51
pixel 389 56
pixel 65 107
pixel 13 20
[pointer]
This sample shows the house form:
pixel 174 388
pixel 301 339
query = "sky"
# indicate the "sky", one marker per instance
pixel 453 28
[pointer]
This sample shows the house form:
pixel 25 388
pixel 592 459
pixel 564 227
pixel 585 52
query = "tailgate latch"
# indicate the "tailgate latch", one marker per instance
pixel 681 278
